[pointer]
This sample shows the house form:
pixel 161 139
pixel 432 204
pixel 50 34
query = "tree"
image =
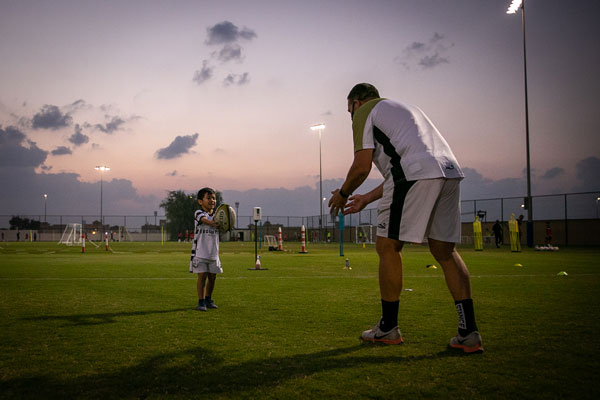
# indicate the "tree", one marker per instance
pixel 179 208
pixel 17 222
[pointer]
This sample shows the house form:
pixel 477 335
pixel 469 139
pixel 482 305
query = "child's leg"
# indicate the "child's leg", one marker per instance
pixel 200 284
pixel 211 284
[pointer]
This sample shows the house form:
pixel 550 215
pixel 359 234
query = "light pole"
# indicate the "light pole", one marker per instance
pixel 45 198
pixel 101 168
pixel 512 9
pixel 320 127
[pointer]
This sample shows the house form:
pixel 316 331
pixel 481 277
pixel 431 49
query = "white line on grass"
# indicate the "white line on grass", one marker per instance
pixel 271 277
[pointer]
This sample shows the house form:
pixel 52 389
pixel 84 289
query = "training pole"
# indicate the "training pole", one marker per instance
pixel 106 240
pixel 303 238
pixel 279 240
pixel 83 242
pixel 341 226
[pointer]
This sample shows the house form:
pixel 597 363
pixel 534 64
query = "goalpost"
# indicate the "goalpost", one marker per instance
pixel 123 235
pixel 270 242
pixel 365 234
pixel 71 235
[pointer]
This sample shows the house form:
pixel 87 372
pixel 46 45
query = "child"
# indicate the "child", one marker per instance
pixel 205 249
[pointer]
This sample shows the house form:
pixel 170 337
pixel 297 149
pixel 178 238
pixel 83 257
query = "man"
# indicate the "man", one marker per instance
pixel 418 199
pixel 498 233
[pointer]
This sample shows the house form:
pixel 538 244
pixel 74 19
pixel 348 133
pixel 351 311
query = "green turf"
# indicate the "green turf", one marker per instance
pixel 122 324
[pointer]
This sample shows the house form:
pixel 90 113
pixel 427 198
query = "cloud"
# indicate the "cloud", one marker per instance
pixel 204 74
pixel 553 173
pixel 588 172
pixel 112 126
pixel 50 117
pixel 181 145
pixel 432 61
pixel 239 80
pixel 78 138
pixel 67 195
pixel 227 32
pixel 17 151
pixel 229 52
pixel 76 105
pixel 425 55
pixel 61 151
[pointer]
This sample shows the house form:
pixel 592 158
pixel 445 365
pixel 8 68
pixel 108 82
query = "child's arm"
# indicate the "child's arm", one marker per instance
pixel 206 221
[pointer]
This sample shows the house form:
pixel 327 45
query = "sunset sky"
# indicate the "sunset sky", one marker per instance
pixel 184 94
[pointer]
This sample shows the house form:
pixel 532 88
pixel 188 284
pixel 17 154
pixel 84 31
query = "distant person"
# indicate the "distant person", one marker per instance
pixel 3 236
pixel 204 260
pixel 178 237
pixel 419 199
pixel 498 233
pixel 18 236
pixel 548 234
pixel 35 236
pixel 519 224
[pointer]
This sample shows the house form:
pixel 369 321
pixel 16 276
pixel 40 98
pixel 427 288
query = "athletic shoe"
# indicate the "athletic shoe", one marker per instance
pixel 469 344
pixel 377 335
pixel 211 304
pixel 201 305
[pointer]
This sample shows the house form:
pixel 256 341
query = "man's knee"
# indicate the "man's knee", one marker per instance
pixel 441 250
pixel 386 245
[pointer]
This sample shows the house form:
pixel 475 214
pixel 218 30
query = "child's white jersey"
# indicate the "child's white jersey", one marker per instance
pixel 206 239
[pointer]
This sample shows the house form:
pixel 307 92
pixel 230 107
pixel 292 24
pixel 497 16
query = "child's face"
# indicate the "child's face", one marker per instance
pixel 208 202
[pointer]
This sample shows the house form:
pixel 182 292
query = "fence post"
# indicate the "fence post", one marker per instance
pixel 566 223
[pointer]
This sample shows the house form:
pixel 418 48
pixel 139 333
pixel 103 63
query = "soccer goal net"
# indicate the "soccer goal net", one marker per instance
pixel 270 242
pixel 71 235
pixel 365 234
pixel 123 235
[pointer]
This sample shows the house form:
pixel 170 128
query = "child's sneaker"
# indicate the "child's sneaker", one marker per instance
pixel 376 335
pixel 211 304
pixel 201 305
pixel 469 344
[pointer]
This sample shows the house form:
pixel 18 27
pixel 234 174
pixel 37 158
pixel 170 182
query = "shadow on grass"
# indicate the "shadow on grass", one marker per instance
pixel 98 319
pixel 198 372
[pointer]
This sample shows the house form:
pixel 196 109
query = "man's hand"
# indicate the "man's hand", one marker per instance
pixel 336 203
pixel 356 203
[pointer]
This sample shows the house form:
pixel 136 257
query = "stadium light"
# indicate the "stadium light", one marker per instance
pixel 320 127
pixel 101 168
pixel 512 9
pixel 514 6
pixel 46 198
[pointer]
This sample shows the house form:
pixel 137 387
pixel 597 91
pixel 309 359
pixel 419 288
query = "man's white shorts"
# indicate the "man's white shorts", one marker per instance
pixel 201 265
pixel 416 210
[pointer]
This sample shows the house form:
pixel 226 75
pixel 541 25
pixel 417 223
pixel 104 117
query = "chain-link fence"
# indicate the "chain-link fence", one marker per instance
pixel 574 217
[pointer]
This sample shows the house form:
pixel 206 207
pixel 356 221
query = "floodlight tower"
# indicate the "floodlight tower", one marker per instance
pixel 101 168
pixel 512 9
pixel 319 128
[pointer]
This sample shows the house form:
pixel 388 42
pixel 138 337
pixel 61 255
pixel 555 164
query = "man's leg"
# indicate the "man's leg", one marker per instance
pixel 390 268
pixel 459 284
pixel 455 270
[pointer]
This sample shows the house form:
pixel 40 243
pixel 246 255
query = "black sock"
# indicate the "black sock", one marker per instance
pixel 466 316
pixel 389 315
pixel 207 298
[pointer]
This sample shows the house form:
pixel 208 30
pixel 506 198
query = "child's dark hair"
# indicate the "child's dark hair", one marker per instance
pixel 203 191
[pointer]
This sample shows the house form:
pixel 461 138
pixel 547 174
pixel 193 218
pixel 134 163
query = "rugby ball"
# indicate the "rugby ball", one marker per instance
pixel 225 217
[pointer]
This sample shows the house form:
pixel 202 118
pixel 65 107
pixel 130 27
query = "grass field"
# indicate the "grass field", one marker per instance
pixel 122 324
